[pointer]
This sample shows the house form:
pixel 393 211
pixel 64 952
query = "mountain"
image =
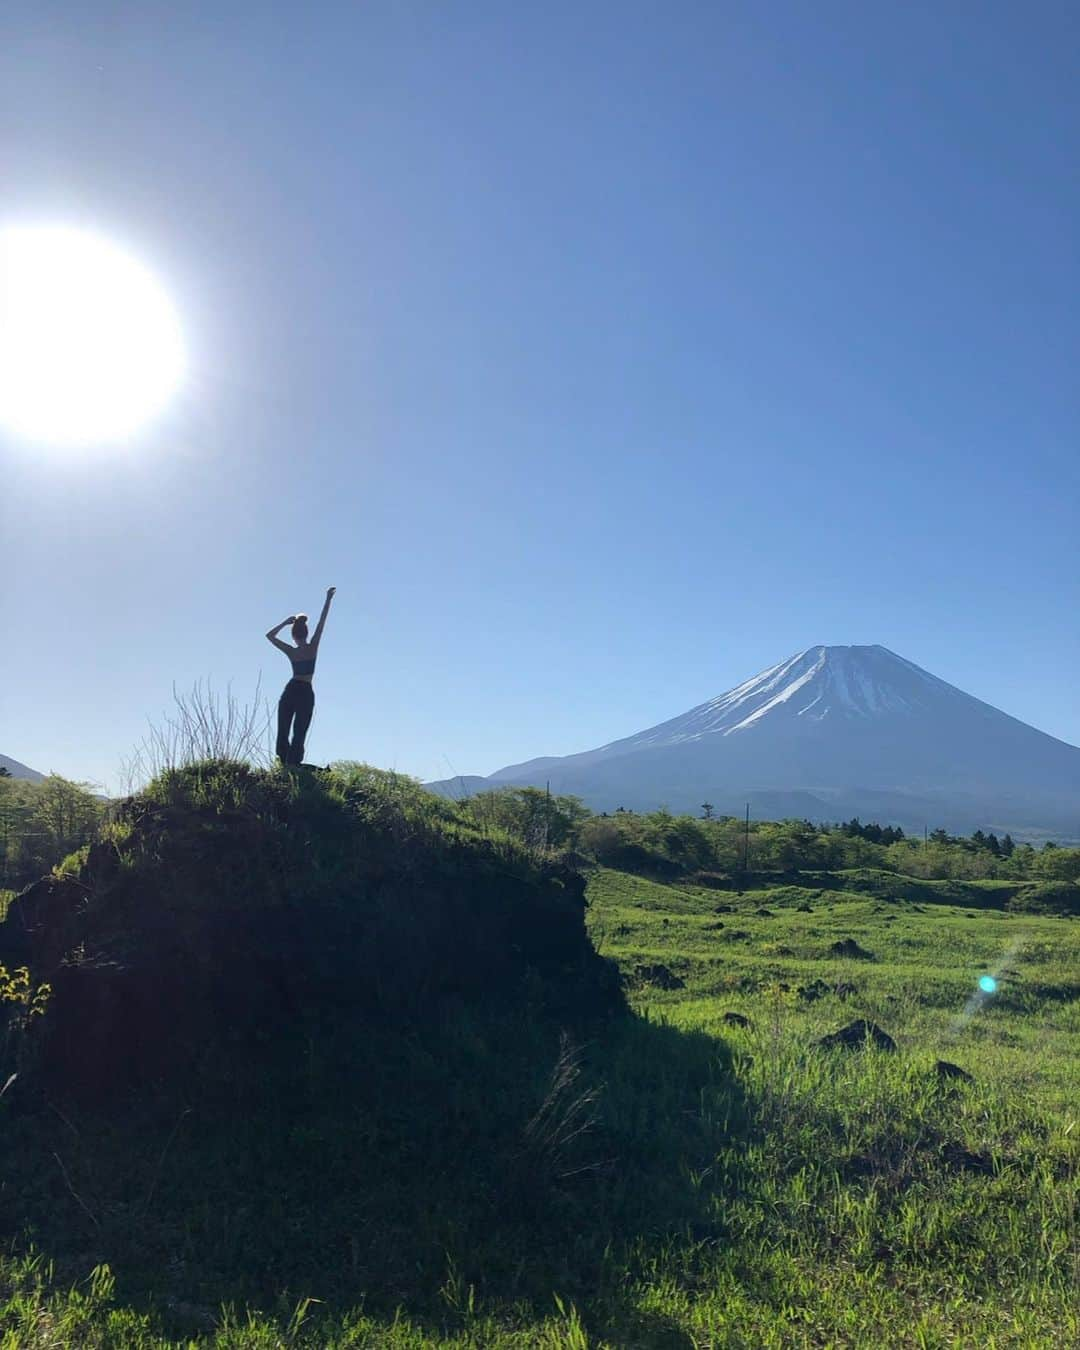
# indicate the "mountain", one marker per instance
pixel 830 733
pixel 18 770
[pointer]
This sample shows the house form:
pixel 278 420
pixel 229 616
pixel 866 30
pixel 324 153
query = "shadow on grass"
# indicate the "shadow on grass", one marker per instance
pixel 480 1162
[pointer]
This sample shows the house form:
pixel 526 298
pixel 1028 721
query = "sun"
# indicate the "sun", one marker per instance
pixel 91 346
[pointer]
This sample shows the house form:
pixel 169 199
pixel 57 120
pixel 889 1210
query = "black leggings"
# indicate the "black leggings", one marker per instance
pixel 298 701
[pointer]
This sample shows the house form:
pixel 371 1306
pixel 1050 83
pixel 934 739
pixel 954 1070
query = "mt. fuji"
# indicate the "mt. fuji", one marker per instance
pixel 829 733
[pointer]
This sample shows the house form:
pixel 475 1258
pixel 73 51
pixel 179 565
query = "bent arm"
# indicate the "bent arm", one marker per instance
pixel 272 636
pixel 322 617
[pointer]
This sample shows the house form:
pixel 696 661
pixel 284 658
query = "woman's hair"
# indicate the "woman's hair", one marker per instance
pixel 300 621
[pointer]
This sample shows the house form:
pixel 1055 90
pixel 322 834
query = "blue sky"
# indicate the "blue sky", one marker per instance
pixel 600 355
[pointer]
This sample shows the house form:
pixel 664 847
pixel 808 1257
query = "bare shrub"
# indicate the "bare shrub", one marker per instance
pixel 203 725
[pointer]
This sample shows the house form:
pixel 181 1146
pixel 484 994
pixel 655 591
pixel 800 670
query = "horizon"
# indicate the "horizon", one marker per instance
pixel 597 358
pixel 795 656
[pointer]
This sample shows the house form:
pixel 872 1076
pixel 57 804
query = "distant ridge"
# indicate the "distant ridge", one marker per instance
pixel 18 770
pixel 831 732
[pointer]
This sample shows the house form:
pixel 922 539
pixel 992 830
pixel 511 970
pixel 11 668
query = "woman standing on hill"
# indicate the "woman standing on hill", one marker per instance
pixel 297 702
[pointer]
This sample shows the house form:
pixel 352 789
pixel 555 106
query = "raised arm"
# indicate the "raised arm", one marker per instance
pixel 273 636
pixel 322 616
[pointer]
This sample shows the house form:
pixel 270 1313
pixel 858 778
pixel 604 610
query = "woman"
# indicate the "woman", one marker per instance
pixel 297 703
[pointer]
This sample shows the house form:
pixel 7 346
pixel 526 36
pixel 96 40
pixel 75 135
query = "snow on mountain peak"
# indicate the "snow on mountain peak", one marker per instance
pixel 816 684
pixel 832 731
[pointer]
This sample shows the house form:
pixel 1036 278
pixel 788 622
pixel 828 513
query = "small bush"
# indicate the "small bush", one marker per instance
pixel 73 864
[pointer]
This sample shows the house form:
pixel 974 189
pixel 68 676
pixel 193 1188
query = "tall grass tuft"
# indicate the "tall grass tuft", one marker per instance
pixel 552 1138
pixel 202 725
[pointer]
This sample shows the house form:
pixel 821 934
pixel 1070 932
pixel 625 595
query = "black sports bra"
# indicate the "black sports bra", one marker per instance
pixel 303 667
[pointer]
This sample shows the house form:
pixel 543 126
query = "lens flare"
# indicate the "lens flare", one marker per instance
pixel 986 985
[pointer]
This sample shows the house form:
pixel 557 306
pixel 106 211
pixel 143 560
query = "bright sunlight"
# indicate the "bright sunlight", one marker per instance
pixel 90 344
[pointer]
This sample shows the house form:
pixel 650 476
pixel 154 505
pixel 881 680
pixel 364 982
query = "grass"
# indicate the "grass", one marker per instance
pixel 440 1179
pixel 677 1181
pixel 926 968
pixel 877 1205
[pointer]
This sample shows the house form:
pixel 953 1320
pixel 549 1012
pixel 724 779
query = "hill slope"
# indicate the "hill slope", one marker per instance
pixel 831 732
pixel 18 770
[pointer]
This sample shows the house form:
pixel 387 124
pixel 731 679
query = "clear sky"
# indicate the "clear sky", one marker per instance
pixel 600 354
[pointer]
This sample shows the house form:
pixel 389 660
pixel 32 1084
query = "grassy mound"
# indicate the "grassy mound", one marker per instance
pixel 1048 897
pixel 799 887
pixel 225 907
pixel 323 1038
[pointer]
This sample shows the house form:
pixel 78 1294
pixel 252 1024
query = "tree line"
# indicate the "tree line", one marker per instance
pixel 727 844
pixel 41 823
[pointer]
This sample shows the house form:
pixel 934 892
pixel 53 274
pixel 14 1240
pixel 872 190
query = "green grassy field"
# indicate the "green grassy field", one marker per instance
pixel 1025 1039
pixel 731 1186
pixel 877 1204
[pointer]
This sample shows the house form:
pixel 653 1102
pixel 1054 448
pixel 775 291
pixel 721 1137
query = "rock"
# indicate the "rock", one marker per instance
pixel 660 976
pixel 804 908
pixel 962 1159
pixel 947 1070
pixel 764 913
pixel 844 989
pixel 737 1020
pixel 849 948
pixel 784 988
pixel 723 909
pixel 713 927
pixel 810 993
pixel 856 1035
